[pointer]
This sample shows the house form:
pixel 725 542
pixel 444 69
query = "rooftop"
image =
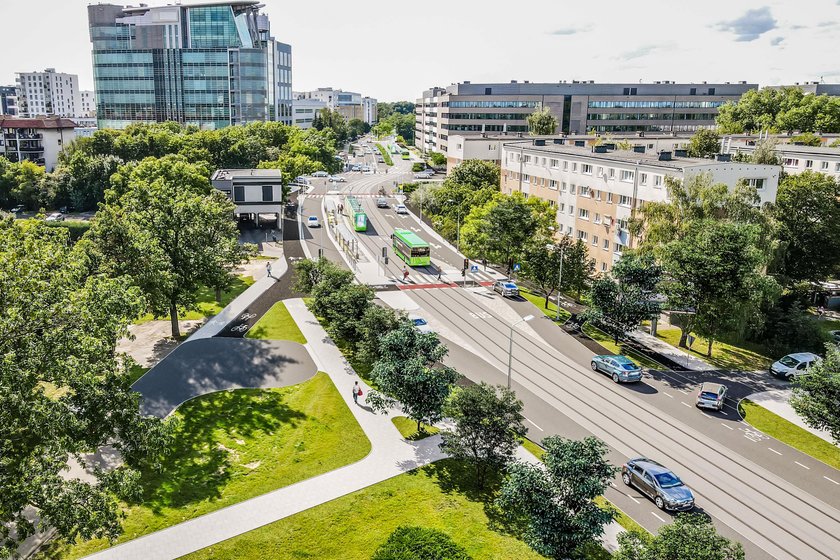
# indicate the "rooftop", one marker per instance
pixel 43 123
pixel 228 174
pixel 145 7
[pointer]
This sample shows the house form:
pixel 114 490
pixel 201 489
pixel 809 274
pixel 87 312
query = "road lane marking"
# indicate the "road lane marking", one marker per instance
pixel 683 391
pixel 686 404
pixel 634 499
pixel 803 466
pixel 834 481
pixel 531 421
pixel 725 426
pixel 659 518
pixel 668 394
pixel 774 451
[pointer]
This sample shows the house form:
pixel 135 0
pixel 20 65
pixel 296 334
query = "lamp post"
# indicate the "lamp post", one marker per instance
pixel 510 345
pixel 458 231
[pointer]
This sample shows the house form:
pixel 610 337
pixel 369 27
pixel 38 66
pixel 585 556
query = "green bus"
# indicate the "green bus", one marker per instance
pixel 411 248
pixel 356 213
pixel 405 154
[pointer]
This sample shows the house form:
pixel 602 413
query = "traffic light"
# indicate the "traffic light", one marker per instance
pixel 466 264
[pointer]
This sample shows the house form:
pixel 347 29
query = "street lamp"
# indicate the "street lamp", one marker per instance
pixel 458 232
pixel 524 319
pixel 560 275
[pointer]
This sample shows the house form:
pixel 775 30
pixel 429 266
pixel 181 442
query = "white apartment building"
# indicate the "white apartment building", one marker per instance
pixel 38 140
pixel 795 158
pixel 304 111
pixel 48 93
pixel 254 192
pixel 597 190
pixel 349 104
pixel 87 104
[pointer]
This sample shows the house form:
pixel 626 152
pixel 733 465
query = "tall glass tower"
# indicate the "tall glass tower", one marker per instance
pixel 211 64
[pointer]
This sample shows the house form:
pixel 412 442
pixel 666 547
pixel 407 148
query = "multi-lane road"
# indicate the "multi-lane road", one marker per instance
pixel 778 502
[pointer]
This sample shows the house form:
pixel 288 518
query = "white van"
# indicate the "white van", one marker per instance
pixel 794 364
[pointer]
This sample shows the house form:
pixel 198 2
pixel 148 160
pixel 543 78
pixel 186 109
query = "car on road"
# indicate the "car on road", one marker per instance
pixel 400 209
pixel 424 175
pixel 382 202
pixel 420 323
pixel 621 368
pixel 320 174
pixel 55 217
pixel 506 288
pixel 356 168
pixel 312 221
pixel 17 209
pixel 658 483
pixel 711 395
pixel 794 364
pixel 337 179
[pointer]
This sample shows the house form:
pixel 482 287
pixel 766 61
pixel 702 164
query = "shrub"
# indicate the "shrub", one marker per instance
pixel 409 188
pixel 418 167
pixel 419 543
pixel 77 228
pixel 386 157
pixel 437 158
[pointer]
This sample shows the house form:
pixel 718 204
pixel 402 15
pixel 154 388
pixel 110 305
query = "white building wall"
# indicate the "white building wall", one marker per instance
pixel 48 93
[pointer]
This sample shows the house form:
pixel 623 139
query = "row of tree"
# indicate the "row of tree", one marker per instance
pixel 786 109
pixel 399 124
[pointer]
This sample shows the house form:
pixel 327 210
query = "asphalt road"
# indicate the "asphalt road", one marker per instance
pixel 771 516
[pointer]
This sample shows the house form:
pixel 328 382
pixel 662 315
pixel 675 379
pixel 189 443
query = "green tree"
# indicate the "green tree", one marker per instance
pixel 419 543
pixel 409 372
pixel 488 427
pixel 439 159
pixel 310 272
pixel 691 535
pixel 342 306
pixel 542 262
pixel 165 227
pixel 807 212
pixel 476 174
pixel 65 392
pixel 705 143
pixel 786 109
pixel 555 506
pixel 578 268
pixel 765 153
pixel 542 122
pixel 807 139
pixel 625 298
pixel 356 128
pixel 376 322
pixel 815 396
pixel 88 179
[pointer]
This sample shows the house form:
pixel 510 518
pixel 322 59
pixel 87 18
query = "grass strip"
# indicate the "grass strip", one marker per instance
pixel 408 428
pixel 277 324
pixel 385 155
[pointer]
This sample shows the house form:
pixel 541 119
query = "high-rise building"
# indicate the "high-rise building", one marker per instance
pixel 47 93
pixel 211 64
pixel 87 106
pixel 8 100
pixel 579 107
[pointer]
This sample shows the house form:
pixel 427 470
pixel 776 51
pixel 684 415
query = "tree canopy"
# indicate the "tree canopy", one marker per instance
pixel 704 143
pixel 786 109
pixel 542 122
pixel 419 543
pixel 815 396
pixel 691 535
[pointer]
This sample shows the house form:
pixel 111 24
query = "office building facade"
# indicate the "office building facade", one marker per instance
pixel 579 107
pixel 211 64
pixel 47 93
pixel 348 104
pixel 596 190
pixel 304 111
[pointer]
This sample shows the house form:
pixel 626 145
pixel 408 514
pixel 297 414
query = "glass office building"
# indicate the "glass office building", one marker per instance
pixel 212 64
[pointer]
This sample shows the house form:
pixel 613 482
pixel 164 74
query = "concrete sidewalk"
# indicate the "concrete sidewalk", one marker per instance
pixel 778 402
pixel 686 360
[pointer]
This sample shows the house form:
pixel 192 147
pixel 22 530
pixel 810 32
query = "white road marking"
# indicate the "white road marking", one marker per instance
pixel 532 423
pixel 774 451
pixel 803 466
pixel 634 499
pixel 656 516
pixel 834 481
pixel 683 391
pixel 725 426
pixel 686 404
pixel 668 394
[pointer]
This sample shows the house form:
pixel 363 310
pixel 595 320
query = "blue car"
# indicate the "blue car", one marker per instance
pixel 621 368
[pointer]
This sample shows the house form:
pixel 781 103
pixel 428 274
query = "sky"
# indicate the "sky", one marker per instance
pixel 395 49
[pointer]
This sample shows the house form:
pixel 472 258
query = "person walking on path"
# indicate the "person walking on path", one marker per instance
pixel 356 391
pixel 405 274
pixel 268 269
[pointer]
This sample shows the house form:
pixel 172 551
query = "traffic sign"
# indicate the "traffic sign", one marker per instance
pixel 690 339
pixel 517 267
pixel 474 268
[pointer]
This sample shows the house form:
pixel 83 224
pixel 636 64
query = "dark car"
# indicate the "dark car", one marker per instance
pixel 658 483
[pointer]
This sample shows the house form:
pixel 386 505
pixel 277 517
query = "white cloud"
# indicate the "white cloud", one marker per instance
pixel 750 26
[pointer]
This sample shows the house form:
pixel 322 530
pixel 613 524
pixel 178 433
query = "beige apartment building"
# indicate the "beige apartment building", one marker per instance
pixel 597 190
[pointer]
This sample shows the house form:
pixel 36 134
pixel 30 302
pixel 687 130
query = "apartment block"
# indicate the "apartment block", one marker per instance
pixel 8 100
pixel 795 158
pixel 47 93
pixel 38 140
pixel 597 190
pixel 578 106
pixel 349 104
pixel 212 64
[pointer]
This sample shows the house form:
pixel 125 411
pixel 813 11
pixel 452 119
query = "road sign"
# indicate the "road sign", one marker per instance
pixel 690 339
pixel 474 268
pixel 517 267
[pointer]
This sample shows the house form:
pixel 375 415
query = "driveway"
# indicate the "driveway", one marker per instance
pixel 214 364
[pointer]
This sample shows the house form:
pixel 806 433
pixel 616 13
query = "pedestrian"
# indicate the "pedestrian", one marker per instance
pixel 357 392
pixel 439 275
pixel 821 311
pixel 268 269
pixel 405 274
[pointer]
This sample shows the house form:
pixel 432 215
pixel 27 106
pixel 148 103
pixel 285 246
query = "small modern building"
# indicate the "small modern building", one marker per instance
pixel 348 104
pixel 304 111
pixel 597 189
pixel 37 140
pixel 255 192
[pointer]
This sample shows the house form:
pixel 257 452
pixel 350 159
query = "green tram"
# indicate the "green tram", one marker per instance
pixel 357 213
pixel 411 248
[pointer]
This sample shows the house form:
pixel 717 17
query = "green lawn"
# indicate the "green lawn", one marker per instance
pixel 746 355
pixel 136 372
pixel 440 496
pixel 829 325
pixel 385 155
pixel 539 301
pixel 787 432
pixel 207 305
pixel 234 445
pixel 408 428
pixel 277 324
pixel 608 342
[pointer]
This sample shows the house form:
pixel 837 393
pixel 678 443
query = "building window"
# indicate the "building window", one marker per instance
pixel 597 218
pixel 526 178
pixel 583 214
pixel 552 184
pixel 569 230
pixel 624 200
pixel 611 173
pixel 574 167
pixel 527 159
pixel 561 207
pixel 583 236
pixel 824 166
pixel 571 210
pixel 572 188
pixel 626 176
pixel 603 267
pixel 597 195
pixel 594 240
pixel 657 180
pixel 609 198
pixel 565 165
pixel 837 167
pixel 586 169
pixel 809 164
pixel 622 223
pixel 757 183
pixel 551 203
pixel 585 191
pixel 600 172
pixel 267 193
pixel 643 178
pixel 555 163
pixel 238 194
pixel 606 243
pixel 791 162
pixel 563 187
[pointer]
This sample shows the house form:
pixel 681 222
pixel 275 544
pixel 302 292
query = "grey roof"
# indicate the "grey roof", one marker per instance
pixel 794 149
pixel 628 156
pixel 145 8
pixel 226 174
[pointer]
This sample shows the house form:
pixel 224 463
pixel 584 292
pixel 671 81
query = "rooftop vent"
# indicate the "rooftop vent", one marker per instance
pixel 639 149
pixel 664 156
pixel 519 135
pixel 513 81
pixel 723 157
pixel 680 153
pixel 599 149
pixel 539 142
pixel 466 81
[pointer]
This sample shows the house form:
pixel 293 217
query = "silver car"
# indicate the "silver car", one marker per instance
pixel 711 395
pixel 506 288
pixel 658 483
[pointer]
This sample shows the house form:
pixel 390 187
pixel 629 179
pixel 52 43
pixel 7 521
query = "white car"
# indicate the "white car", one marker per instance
pixel 793 365
pixel 420 323
pixel 312 221
pixel 424 175
pixel 320 174
pixel 55 217
pixel 400 209
pixel 337 179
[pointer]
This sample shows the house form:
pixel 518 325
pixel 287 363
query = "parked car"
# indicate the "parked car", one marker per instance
pixel 312 221
pixel 420 323
pixel 424 175
pixel 337 179
pixel 355 168
pixel 794 364
pixel 621 368
pixel 17 209
pixel 382 202
pixel 320 174
pixel 400 209
pixel 658 483
pixel 506 288
pixel 711 395
pixel 55 217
